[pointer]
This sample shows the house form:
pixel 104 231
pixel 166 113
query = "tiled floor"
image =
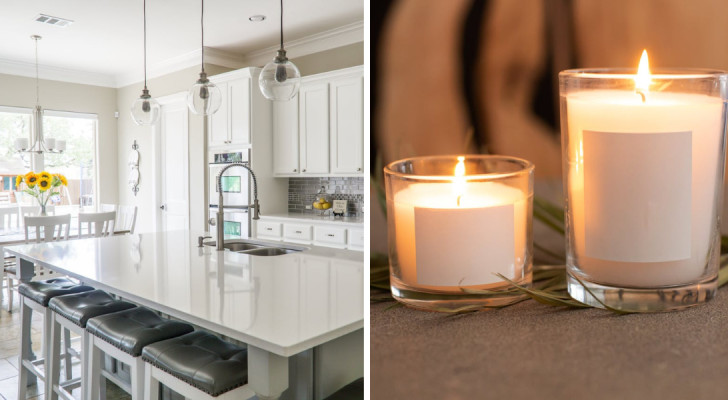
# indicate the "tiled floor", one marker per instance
pixel 9 350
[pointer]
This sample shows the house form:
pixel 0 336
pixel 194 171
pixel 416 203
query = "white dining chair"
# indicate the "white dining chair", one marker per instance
pixel 9 218
pixel 47 228
pixel 97 224
pixel 125 219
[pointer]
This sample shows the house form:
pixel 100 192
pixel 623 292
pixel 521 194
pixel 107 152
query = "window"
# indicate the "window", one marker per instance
pixel 77 162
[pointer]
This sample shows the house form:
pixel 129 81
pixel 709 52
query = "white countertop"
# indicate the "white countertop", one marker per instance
pixel 329 219
pixel 283 304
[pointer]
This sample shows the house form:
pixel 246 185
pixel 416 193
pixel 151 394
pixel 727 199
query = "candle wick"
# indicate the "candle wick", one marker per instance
pixel 459 200
pixel 642 94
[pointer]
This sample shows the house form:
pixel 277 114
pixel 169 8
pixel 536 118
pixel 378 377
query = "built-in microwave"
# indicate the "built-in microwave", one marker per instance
pixel 235 182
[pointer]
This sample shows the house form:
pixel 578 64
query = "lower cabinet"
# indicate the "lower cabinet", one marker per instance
pixel 318 233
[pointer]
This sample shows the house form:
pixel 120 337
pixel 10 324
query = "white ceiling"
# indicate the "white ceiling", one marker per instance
pixel 106 37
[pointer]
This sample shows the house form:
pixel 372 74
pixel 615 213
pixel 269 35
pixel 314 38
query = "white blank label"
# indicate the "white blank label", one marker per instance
pixel 637 196
pixel 462 247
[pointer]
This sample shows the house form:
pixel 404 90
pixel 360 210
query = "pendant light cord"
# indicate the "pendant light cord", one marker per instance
pixel 281 24
pixel 37 83
pixel 145 44
pixel 202 28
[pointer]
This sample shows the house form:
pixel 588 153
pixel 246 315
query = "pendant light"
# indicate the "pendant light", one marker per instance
pixel 279 80
pixel 204 97
pixel 145 110
pixel 40 145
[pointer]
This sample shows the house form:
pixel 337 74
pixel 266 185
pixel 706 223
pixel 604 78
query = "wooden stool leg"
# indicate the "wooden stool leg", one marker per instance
pixel 151 384
pixel 137 379
pixel 94 369
pixel 68 357
pixel 53 373
pixel 10 294
pixel 25 350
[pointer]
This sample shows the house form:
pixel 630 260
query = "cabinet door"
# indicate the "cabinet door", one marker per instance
pixel 347 125
pixel 285 137
pixel 239 109
pixel 313 104
pixel 219 120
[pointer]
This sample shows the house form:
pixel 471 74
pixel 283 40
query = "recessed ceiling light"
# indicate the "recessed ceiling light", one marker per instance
pixel 55 21
pixel 257 18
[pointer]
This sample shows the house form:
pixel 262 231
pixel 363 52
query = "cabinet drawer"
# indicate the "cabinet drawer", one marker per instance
pixel 325 234
pixel 356 237
pixel 269 229
pixel 297 231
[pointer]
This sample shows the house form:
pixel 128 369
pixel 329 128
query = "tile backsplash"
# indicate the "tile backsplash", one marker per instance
pixel 302 192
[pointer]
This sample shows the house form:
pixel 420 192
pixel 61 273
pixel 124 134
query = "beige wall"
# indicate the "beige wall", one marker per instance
pixel 331 60
pixel 128 131
pixel 18 91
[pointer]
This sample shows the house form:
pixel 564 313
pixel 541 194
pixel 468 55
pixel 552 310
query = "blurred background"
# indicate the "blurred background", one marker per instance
pixel 481 76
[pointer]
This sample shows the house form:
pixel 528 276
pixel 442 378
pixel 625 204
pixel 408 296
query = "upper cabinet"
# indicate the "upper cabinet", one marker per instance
pixel 320 132
pixel 231 124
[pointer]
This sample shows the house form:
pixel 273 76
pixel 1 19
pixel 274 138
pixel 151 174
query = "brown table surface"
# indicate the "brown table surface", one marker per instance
pixel 539 352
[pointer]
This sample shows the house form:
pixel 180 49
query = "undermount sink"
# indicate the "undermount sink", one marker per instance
pixel 270 251
pixel 254 249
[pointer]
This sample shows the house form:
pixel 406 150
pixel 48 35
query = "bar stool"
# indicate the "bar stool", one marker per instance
pixel 34 296
pixel 71 312
pixel 122 335
pixel 197 365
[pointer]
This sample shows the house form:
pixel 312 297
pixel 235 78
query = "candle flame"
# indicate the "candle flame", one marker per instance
pixel 643 79
pixel 458 182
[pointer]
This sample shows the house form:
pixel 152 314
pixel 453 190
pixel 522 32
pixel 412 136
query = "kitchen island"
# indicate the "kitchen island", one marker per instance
pixel 279 306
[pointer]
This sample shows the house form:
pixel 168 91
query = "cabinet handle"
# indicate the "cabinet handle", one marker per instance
pixel 295 170
pixel 330 235
pixel 358 169
pixel 268 229
pixel 299 232
pixel 303 170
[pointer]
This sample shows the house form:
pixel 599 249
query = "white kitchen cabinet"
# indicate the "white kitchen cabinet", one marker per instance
pixel 239 101
pixel 320 132
pixel 231 124
pixel 313 105
pixel 347 125
pixel 332 236
pixel 219 121
pixel 270 230
pixel 312 232
pixel 285 137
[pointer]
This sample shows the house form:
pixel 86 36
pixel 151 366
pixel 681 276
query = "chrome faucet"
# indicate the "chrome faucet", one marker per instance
pixel 220 214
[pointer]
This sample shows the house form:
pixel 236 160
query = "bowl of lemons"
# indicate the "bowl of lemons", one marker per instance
pixel 322 201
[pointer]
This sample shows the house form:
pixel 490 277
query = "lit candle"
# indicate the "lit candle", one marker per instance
pixel 459 234
pixel 643 166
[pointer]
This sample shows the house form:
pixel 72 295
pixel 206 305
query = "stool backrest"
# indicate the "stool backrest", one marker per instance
pixel 9 218
pixel 97 224
pixel 125 218
pixel 54 227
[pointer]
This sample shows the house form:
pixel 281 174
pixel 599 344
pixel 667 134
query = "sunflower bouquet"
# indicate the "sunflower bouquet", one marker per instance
pixel 42 186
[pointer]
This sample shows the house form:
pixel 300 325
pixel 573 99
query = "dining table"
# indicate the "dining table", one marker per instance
pixel 288 309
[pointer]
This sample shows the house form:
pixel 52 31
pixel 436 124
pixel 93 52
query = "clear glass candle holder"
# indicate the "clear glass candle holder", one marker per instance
pixel 455 224
pixel 643 173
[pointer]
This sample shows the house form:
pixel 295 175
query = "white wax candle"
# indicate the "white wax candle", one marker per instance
pixel 642 177
pixel 443 245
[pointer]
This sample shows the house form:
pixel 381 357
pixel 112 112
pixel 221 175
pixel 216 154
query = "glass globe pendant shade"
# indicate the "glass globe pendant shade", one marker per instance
pixel 145 110
pixel 280 79
pixel 204 98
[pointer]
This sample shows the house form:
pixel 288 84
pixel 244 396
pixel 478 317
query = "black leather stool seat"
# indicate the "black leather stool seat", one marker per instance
pixel 352 391
pixel 202 360
pixel 43 291
pixel 130 330
pixel 79 307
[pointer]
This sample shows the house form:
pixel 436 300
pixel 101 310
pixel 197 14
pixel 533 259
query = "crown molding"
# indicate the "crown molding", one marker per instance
pixel 20 68
pixel 183 61
pixel 337 37
pixel 327 40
